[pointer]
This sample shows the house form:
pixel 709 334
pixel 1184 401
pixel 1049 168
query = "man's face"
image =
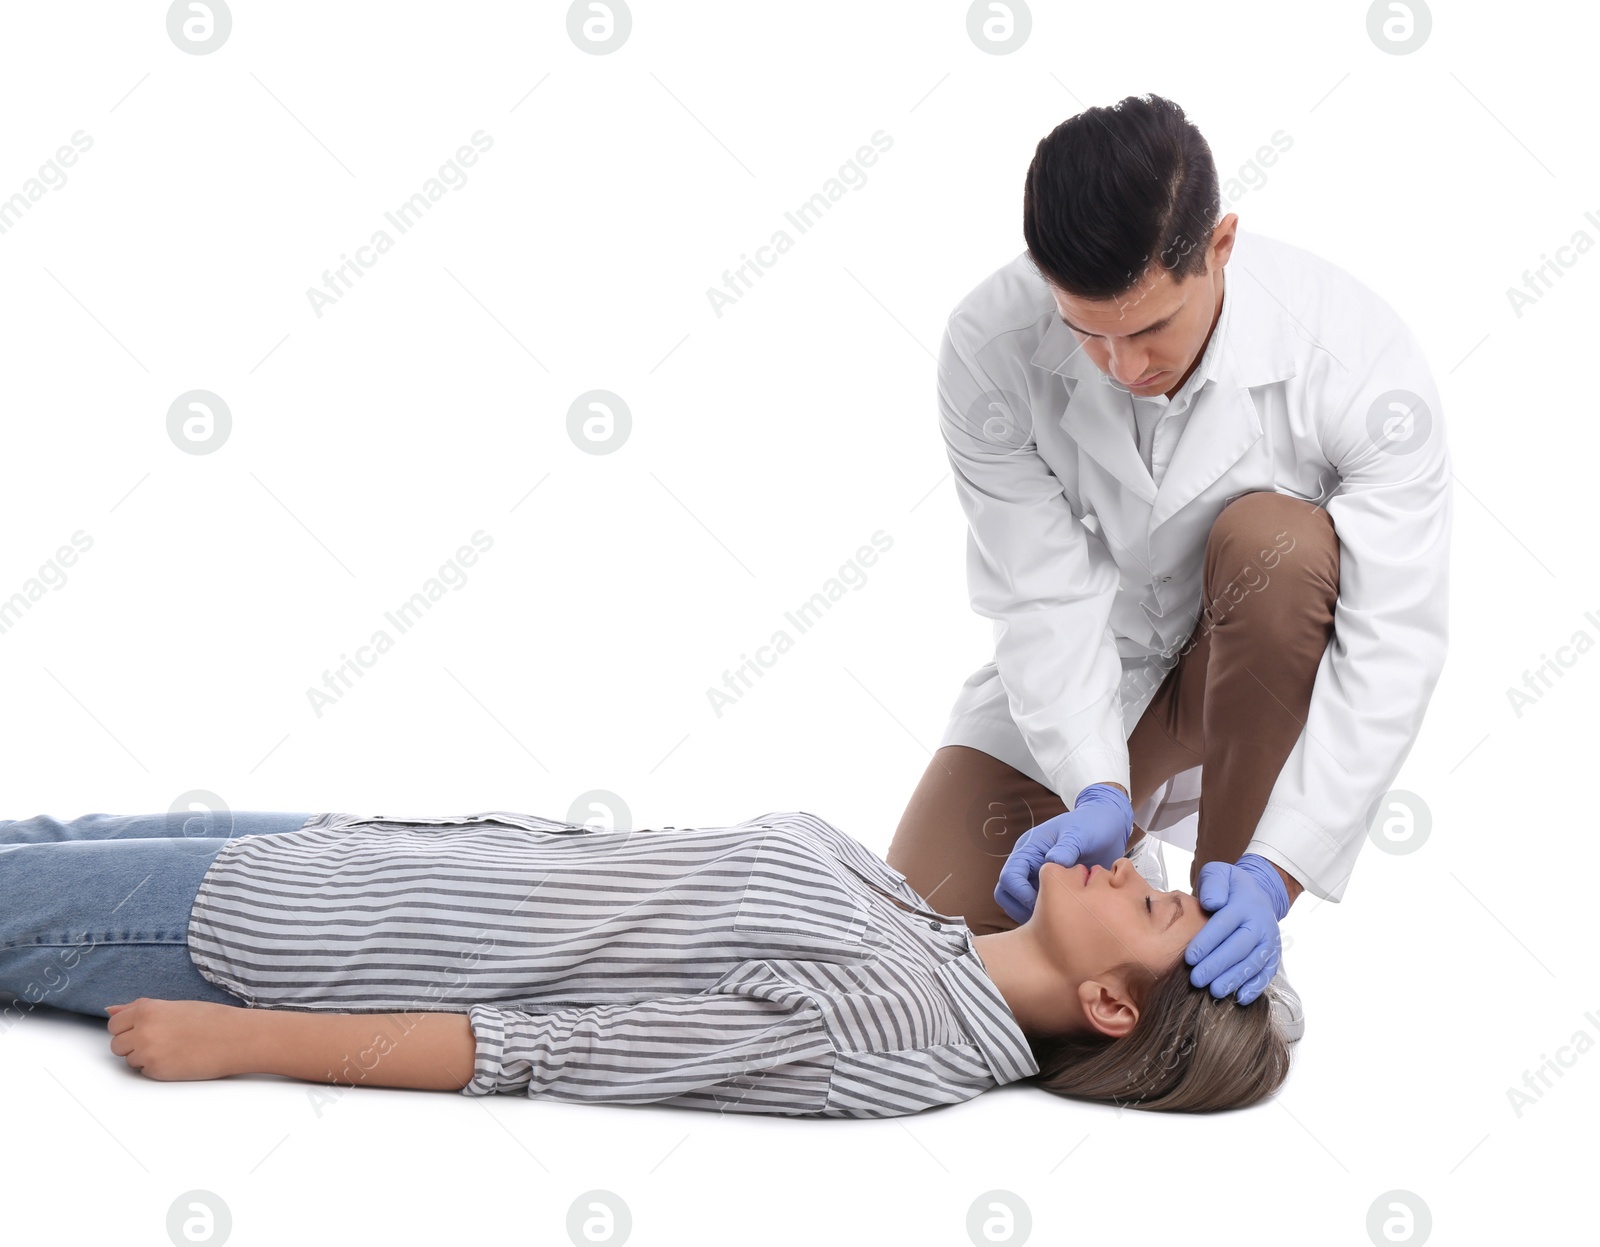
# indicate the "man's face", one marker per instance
pixel 1149 338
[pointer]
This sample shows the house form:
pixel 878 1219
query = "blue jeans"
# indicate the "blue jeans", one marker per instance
pixel 95 910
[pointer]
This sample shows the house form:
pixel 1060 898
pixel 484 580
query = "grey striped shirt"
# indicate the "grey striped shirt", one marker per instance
pixel 758 968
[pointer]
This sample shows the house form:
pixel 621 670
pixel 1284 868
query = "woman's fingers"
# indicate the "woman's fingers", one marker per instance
pixel 171 1040
pixel 121 1025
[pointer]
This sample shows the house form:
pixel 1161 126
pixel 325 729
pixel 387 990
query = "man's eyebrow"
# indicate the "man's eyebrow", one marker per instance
pixel 1147 329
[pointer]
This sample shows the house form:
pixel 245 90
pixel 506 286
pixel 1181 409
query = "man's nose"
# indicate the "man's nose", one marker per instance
pixel 1127 367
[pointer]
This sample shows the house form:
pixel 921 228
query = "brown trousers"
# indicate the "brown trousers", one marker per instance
pixel 1234 704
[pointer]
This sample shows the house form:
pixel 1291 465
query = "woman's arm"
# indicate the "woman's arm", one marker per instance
pixel 176 1040
pixel 751 1043
pixel 432 1051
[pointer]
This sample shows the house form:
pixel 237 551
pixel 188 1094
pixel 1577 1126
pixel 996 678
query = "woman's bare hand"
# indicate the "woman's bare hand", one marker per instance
pixel 176 1040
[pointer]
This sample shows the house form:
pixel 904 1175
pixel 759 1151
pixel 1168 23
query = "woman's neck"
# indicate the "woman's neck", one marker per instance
pixel 1031 987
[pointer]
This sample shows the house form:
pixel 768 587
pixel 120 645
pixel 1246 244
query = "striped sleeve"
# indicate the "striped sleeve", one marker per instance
pixel 749 1043
pixel 893 1084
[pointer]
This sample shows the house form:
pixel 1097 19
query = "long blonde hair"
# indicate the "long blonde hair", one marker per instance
pixel 1189 1052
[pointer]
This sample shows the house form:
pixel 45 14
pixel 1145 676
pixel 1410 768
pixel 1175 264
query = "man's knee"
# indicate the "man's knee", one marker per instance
pixel 1275 531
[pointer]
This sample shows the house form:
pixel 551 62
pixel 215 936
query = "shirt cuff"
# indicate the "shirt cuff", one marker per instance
pixel 489 1036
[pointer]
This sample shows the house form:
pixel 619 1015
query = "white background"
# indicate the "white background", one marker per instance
pixel 767 445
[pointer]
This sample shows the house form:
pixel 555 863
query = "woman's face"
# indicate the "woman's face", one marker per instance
pixel 1092 919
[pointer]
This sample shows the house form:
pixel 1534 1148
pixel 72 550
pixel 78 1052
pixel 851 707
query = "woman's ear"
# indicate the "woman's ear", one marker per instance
pixel 1108 1006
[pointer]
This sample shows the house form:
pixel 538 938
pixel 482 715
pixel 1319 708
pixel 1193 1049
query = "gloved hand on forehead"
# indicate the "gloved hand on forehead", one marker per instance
pixel 1094 832
pixel 1239 948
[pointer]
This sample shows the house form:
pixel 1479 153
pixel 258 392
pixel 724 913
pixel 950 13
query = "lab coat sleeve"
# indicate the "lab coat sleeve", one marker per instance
pixel 751 1043
pixel 1392 513
pixel 1045 580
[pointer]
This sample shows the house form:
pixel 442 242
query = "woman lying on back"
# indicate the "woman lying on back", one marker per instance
pixel 774 966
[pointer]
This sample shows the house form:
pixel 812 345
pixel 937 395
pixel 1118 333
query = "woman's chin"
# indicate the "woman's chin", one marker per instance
pixel 1051 875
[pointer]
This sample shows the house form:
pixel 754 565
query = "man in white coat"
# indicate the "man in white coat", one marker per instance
pixel 1208 497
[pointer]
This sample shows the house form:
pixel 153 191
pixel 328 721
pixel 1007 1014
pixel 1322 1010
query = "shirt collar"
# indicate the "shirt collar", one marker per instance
pixel 988 1017
pixel 1210 359
pixel 976 998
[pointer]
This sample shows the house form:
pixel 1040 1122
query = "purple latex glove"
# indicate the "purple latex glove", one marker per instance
pixel 1239 948
pixel 1094 832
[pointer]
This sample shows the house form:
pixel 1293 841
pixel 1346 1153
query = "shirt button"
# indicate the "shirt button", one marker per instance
pixel 934 926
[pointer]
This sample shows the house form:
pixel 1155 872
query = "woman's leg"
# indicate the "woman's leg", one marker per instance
pixel 181 824
pixel 88 922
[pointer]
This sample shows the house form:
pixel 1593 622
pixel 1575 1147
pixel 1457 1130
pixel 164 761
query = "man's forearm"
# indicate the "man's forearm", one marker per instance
pixel 430 1051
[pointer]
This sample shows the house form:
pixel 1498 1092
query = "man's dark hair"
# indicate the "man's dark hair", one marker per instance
pixel 1114 190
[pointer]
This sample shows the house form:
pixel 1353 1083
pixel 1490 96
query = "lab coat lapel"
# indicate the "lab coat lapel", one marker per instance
pixel 1097 418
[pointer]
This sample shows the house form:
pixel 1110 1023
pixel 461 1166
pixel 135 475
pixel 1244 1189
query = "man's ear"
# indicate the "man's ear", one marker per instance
pixel 1222 240
pixel 1108 1007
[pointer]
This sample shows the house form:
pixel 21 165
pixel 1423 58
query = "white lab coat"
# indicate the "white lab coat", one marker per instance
pixel 1090 573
